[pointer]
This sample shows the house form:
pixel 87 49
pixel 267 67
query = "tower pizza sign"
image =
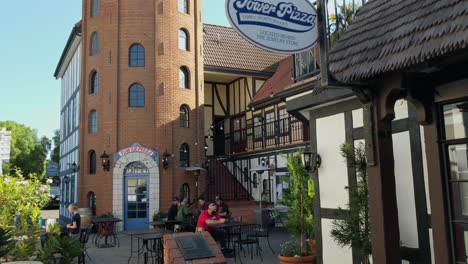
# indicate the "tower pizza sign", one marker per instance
pixel 274 25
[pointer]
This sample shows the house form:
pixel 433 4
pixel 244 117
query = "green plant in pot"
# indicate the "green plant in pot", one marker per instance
pixel 354 230
pixel 300 214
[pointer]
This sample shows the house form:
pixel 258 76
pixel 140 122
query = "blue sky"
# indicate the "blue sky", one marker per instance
pixel 33 35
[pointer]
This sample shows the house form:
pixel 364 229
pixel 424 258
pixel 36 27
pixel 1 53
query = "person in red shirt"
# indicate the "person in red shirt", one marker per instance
pixel 210 216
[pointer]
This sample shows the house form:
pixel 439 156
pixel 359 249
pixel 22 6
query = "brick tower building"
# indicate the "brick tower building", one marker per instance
pixel 141 104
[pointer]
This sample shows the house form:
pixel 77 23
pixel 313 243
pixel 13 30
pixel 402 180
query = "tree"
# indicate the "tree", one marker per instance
pixel 28 152
pixel 341 21
pixel 55 156
pixel 354 230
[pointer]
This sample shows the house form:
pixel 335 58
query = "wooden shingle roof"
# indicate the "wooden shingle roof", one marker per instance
pixel 223 47
pixel 390 35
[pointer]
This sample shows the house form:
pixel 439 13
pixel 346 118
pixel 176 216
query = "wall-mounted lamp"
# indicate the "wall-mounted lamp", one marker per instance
pixel 74 167
pixel 66 179
pixel 206 148
pixel 310 160
pixel 165 159
pixel 105 161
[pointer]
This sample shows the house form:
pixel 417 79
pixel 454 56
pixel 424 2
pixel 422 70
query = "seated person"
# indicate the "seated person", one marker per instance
pixel 74 227
pixel 223 210
pixel 210 216
pixel 202 205
pixel 184 215
pixel 172 213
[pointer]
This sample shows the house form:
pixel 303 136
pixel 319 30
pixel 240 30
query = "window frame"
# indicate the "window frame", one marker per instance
pixel 93 122
pixel 95 6
pixel 184 8
pixel 94 44
pixel 184 155
pixel 94 82
pixel 184 74
pixel 184 40
pixel 184 117
pixel 137 101
pixel 92 162
pixel 138 61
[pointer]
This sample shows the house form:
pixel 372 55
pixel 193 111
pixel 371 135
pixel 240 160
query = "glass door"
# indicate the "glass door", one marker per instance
pixel 136 198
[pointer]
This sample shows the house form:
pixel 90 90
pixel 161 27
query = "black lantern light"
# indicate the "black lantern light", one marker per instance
pixel 74 167
pixel 105 161
pixel 310 160
pixel 165 159
pixel 66 179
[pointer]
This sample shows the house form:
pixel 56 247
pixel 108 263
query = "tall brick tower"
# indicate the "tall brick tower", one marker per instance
pixel 141 99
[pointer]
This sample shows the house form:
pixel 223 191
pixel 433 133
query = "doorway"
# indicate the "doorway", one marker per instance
pixel 136 202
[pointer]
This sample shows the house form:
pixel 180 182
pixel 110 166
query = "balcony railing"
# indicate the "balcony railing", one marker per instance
pixel 267 135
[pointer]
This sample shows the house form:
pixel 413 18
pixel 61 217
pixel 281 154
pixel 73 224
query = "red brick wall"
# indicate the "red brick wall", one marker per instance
pixel 153 24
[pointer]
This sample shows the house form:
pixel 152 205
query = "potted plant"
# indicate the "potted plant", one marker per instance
pixel 300 214
pixel 354 230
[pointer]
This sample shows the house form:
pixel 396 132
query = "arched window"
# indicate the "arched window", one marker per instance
pixel 94 82
pixel 92 162
pixel 183 6
pixel 184 78
pixel 185 192
pixel 184 116
pixel 184 155
pixel 183 39
pixel 94 7
pixel 93 122
pixel 136 96
pixel 136 56
pixel 94 44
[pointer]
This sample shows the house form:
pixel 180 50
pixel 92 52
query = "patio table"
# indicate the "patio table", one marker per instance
pixel 135 234
pixel 152 242
pixel 227 226
pixel 106 229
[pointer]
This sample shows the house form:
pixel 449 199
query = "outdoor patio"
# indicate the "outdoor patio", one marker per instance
pixel 122 253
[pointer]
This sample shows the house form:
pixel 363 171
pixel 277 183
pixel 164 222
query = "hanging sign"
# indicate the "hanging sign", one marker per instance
pixel 275 25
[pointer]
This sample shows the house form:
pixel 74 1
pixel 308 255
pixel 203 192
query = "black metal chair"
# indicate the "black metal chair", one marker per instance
pixel 265 232
pixel 248 236
pixel 84 237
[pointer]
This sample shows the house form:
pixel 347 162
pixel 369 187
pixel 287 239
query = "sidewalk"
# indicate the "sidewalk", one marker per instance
pixel 121 254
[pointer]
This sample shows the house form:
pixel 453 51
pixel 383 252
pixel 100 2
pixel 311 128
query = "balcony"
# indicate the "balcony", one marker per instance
pixel 267 135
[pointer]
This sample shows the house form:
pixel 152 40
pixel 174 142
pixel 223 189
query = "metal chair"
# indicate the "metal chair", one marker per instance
pixel 248 236
pixel 84 237
pixel 265 232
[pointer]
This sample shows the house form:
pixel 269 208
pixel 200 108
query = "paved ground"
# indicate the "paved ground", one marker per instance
pixel 121 254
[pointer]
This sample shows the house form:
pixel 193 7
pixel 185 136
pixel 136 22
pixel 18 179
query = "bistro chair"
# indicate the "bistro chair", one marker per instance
pixel 265 232
pixel 248 237
pixel 84 237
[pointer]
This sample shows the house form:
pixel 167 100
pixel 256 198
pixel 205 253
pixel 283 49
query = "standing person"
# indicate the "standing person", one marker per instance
pixel 74 227
pixel 184 215
pixel 210 216
pixel 172 213
pixel 223 210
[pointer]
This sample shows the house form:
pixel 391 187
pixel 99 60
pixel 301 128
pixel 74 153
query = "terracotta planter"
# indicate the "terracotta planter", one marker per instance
pixel 288 260
pixel 313 244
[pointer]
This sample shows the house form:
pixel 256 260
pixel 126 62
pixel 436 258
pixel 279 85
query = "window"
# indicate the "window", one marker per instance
pixel 136 56
pixel 183 40
pixel 185 192
pixel 283 119
pixel 94 8
pixel 183 6
pixel 94 82
pixel 455 148
pixel 304 64
pixel 183 78
pixel 184 116
pixel 92 162
pixel 93 118
pixel 136 96
pixel 184 155
pixel 94 44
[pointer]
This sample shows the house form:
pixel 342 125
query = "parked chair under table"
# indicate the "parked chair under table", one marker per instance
pixel 265 232
pixel 248 236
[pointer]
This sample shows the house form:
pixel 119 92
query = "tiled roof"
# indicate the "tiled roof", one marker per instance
pixel 225 48
pixel 390 35
pixel 278 82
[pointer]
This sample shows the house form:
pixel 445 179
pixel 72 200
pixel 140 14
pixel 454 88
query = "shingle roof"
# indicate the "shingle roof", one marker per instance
pixel 390 35
pixel 278 82
pixel 225 48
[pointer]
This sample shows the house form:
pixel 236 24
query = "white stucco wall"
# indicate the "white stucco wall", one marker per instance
pixel 332 174
pixel 332 253
pixel 358 118
pixel 405 190
pixel 401 109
